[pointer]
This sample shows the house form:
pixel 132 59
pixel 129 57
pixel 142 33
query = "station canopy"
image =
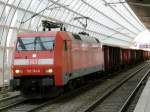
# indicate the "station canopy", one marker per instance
pixel 111 22
pixel 141 8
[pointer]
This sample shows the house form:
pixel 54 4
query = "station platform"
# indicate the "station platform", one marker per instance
pixel 143 104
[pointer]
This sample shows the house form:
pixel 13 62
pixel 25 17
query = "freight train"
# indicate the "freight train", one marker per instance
pixel 45 62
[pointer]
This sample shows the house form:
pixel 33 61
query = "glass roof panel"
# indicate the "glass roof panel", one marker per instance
pixel 104 20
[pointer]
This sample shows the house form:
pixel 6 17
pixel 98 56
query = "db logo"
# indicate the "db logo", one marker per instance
pixel 33 61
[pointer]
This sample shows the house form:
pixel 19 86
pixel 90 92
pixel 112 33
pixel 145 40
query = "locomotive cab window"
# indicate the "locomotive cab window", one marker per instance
pixel 35 44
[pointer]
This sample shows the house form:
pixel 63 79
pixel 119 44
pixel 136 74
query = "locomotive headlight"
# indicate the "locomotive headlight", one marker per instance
pixel 18 71
pixel 48 71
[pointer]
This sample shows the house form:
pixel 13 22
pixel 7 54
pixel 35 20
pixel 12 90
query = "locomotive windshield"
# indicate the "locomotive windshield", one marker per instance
pixel 35 43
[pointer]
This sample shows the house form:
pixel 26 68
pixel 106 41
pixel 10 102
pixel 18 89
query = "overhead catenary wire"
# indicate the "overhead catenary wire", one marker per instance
pixel 36 14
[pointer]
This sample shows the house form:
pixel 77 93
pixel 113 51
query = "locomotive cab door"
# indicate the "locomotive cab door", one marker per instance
pixel 67 59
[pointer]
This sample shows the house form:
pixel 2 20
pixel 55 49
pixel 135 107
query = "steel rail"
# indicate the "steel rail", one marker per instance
pixel 12 105
pixel 5 87
pixel 51 100
pixel 110 91
pixel 8 98
pixel 77 90
pixel 127 102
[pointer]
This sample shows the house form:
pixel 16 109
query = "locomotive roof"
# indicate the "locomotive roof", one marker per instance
pixel 84 38
pixel 34 34
pixel 73 36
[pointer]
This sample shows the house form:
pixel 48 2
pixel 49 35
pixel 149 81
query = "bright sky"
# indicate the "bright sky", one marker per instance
pixel 143 38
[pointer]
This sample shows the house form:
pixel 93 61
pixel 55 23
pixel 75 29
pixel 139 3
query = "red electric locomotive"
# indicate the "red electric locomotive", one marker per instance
pixel 45 61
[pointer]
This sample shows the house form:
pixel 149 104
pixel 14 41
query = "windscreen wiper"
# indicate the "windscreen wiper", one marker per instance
pixel 21 44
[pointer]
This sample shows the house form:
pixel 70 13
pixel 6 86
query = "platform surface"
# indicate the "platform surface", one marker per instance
pixel 143 104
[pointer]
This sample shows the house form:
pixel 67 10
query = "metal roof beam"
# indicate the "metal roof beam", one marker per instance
pixel 16 28
pixel 122 16
pixel 91 19
pixel 107 16
pixel 136 18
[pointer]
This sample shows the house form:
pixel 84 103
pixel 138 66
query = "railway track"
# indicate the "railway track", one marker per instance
pixel 118 98
pixel 127 103
pixel 10 101
pixel 22 106
pixel 134 100
pixel 30 105
pixel 3 89
pixel 61 103
pixel 4 92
